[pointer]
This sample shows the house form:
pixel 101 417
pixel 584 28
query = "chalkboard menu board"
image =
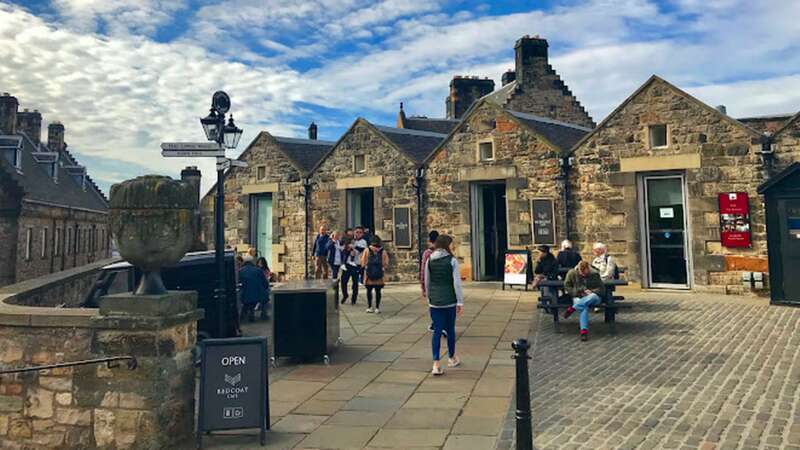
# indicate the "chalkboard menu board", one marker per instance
pixel 233 385
pixel 543 221
pixel 402 227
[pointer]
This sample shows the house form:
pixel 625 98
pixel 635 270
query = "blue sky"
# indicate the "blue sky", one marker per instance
pixel 125 75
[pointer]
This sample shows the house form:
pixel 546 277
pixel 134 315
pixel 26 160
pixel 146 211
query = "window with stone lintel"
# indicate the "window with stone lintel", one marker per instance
pixel 658 136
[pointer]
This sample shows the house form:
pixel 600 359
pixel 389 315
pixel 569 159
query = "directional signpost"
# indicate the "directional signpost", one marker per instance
pixel 192 149
pixel 227 163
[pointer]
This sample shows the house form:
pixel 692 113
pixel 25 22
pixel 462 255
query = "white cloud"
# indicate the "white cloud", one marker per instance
pixel 118 16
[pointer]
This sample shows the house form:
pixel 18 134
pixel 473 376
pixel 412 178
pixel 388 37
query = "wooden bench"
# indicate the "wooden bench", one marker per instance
pixel 610 304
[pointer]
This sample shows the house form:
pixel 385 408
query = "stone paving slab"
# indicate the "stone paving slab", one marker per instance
pixel 378 391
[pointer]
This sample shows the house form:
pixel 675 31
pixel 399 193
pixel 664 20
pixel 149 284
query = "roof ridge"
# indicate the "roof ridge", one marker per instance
pixel 303 141
pixel 531 116
pixel 410 131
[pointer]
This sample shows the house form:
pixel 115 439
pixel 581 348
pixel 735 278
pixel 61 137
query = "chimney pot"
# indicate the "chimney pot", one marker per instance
pixel 8 114
pixel 312 131
pixel 55 136
pixel 30 123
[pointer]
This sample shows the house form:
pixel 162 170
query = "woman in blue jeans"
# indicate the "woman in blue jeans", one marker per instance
pixel 445 299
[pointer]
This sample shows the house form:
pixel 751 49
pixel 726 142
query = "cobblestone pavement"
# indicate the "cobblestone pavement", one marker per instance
pixel 378 391
pixel 683 371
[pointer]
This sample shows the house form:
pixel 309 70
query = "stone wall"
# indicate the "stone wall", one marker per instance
pixel 396 174
pixel 93 244
pixel 526 163
pixel 539 89
pixel 94 406
pixel 716 155
pixel 282 181
pixel 788 146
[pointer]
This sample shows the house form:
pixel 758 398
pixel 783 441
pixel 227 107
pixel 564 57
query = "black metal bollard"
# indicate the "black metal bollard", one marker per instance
pixel 524 429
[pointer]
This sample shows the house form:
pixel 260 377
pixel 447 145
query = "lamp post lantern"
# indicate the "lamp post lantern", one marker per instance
pixel 226 136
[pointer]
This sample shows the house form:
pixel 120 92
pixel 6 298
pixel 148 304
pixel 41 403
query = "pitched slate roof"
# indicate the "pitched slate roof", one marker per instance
pixel 303 153
pixel 500 97
pixel 38 185
pixel 562 135
pixel 438 125
pixel 416 144
pixel 778 179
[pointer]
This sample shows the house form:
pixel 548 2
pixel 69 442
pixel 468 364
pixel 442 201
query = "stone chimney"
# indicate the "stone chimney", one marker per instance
pixel 55 136
pixel 192 176
pixel 8 113
pixel 508 77
pixel 30 123
pixel 531 59
pixel 401 117
pixel 464 90
pixel 312 131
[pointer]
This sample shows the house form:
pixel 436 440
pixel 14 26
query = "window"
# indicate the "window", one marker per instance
pixel 68 245
pixel 360 163
pixel 94 238
pixel 28 243
pixel 57 243
pixel 486 151
pixel 261 172
pixel 77 241
pixel 658 136
pixel 44 242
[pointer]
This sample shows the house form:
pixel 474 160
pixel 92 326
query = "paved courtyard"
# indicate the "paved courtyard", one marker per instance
pixel 683 371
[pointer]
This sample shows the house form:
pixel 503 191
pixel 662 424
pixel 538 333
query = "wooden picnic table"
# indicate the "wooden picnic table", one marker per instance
pixel 552 305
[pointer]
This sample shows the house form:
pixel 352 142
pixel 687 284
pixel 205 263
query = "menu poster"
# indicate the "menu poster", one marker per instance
pixel 402 227
pixel 734 219
pixel 515 269
pixel 543 221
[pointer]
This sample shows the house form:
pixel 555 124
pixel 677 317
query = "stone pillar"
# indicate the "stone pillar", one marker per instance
pixel 151 407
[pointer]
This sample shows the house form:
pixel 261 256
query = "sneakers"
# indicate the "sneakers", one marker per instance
pixel 437 371
pixel 430 328
pixel 453 362
pixel 584 335
pixel 370 310
pixel 569 312
pixel 377 311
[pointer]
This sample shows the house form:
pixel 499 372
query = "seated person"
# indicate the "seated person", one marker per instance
pixel 546 269
pixel 568 258
pixel 604 263
pixel 587 290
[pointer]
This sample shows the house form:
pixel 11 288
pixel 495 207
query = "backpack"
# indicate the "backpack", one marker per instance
pixel 375 265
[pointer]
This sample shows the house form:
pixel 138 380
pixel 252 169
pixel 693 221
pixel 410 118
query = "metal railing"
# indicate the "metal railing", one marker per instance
pixel 111 362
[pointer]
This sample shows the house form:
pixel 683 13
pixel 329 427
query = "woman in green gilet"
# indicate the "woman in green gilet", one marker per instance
pixel 445 299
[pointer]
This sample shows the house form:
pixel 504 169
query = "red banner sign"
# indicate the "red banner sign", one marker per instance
pixel 734 219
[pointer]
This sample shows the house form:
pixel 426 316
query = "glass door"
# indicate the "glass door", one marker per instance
pixel 264 227
pixel 666 226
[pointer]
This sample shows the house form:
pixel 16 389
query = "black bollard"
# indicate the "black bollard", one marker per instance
pixel 524 429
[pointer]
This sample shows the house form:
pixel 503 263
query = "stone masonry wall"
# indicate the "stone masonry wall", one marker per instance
pixel 94 406
pixel 329 203
pixel 526 163
pixel 788 149
pixel 605 200
pixel 288 216
pixel 93 244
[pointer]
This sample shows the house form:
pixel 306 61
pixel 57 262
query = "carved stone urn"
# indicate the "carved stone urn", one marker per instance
pixel 153 221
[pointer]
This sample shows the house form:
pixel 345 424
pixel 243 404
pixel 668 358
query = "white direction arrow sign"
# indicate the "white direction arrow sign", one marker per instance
pixel 225 164
pixel 189 149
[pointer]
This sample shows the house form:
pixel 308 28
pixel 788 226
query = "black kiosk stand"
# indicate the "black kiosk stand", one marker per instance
pixel 234 390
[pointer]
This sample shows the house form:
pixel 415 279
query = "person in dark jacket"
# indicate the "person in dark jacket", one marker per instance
pixel 568 258
pixel 546 269
pixel 255 287
pixel 320 252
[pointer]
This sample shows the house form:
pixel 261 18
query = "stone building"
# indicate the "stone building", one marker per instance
pixel 264 203
pixel 52 215
pixel 647 181
pixel 481 182
pixel 367 176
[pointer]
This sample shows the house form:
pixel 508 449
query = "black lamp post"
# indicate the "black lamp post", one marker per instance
pixel 419 178
pixel 306 200
pixel 227 136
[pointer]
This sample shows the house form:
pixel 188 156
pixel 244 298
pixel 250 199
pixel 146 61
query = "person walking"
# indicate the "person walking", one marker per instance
pixel 255 288
pixel 335 248
pixel 425 257
pixel 445 299
pixel 320 252
pixel 261 263
pixel 351 271
pixel 586 289
pixel 375 261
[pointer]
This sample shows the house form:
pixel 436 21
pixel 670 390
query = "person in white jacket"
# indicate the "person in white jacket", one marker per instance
pixel 445 299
